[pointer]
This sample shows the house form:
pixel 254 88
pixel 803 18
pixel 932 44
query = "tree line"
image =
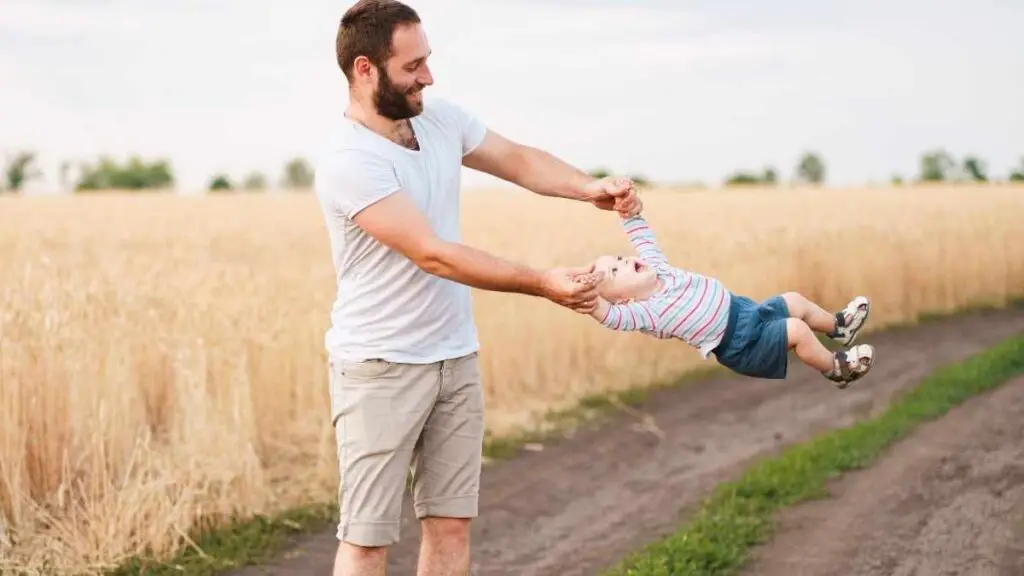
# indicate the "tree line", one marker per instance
pixel 936 165
pixel 138 174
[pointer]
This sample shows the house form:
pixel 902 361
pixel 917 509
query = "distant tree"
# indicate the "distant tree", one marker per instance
pixel 811 168
pixel 770 176
pixel 20 168
pixel 297 174
pixel 741 177
pixel 220 182
pixel 975 169
pixel 135 174
pixel 936 166
pixel 255 181
pixel 600 172
pixel 640 180
pixel 896 180
pixel 1018 174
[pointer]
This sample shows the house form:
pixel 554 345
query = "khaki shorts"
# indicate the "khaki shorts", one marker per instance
pixel 388 416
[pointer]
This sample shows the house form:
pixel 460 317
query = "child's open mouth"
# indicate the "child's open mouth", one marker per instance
pixel 638 266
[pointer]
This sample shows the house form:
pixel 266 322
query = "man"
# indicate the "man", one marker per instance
pixel 405 380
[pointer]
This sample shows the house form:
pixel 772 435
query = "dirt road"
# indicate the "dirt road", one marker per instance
pixel 584 502
pixel 947 500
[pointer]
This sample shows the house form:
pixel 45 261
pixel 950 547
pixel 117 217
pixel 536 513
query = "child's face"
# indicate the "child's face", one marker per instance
pixel 625 277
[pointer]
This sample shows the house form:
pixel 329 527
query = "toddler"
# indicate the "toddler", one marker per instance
pixel 646 294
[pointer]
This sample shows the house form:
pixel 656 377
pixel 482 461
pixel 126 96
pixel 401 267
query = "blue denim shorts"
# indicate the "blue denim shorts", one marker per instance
pixel 755 342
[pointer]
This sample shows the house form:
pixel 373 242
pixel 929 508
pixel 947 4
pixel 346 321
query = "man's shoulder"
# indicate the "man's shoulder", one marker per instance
pixel 444 110
pixel 438 106
pixel 346 147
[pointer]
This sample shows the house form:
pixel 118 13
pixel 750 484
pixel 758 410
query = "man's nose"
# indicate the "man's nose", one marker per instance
pixel 426 78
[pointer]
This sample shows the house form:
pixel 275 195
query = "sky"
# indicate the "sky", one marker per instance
pixel 678 91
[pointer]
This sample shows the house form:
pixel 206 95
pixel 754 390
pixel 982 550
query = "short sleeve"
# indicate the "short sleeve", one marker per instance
pixel 354 179
pixel 471 129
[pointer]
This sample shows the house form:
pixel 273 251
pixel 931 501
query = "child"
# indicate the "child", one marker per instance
pixel 645 293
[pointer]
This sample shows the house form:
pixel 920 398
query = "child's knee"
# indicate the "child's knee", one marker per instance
pixel 796 303
pixel 793 298
pixel 797 331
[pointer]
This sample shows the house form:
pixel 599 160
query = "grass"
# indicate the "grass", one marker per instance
pixel 250 541
pixel 162 365
pixel 740 514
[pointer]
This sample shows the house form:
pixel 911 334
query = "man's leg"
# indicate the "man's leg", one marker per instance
pixel 354 560
pixel 446 470
pixel 379 409
pixel 841 326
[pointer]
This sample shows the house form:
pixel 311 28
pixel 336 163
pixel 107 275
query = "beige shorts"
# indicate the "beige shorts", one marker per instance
pixel 389 416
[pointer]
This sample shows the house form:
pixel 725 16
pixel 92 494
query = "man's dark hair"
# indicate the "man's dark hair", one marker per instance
pixel 366 29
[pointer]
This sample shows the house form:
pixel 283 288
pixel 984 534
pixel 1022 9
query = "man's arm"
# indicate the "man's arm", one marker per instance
pixel 536 170
pixel 397 222
pixel 529 167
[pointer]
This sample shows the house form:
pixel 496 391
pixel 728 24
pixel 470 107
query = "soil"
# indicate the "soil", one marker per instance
pixel 947 500
pixel 585 501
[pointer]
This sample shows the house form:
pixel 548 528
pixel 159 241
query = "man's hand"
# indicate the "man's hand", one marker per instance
pixel 574 288
pixel 614 194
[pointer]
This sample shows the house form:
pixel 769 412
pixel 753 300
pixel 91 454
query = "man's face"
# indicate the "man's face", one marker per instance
pixel 399 91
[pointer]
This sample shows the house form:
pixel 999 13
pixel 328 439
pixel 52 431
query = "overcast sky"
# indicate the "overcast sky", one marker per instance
pixel 673 89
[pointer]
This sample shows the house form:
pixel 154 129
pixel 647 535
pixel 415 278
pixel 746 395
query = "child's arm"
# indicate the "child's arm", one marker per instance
pixel 626 317
pixel 643 240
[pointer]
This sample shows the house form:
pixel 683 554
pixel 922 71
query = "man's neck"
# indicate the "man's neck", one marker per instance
pixel 367 116
pixel 398 131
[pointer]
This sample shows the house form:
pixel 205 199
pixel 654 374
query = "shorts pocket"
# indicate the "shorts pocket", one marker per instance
pixel 364 369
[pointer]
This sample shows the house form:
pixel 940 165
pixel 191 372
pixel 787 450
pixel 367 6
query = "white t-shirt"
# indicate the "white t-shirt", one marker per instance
pixel 386 307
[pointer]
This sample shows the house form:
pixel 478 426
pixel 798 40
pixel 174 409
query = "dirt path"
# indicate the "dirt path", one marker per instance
pixel 947 500
pixel 584 502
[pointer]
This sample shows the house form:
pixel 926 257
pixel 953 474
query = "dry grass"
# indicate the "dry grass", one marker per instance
pixel 166 365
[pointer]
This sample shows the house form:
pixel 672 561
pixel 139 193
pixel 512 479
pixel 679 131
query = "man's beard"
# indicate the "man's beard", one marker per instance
pixel 392 102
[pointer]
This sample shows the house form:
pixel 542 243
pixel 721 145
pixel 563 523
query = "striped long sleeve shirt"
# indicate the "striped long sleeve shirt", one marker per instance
pixel 691 307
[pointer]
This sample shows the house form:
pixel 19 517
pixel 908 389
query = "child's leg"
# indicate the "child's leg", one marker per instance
pixel 841 326
pixel 810 313
pixel 808 348
pixel 840 367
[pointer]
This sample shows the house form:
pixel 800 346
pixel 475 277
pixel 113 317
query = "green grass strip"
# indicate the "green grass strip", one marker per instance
pixel 739 515
pixel 256 540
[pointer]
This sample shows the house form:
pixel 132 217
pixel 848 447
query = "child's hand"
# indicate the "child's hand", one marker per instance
pixel 588 278
pixel 628 205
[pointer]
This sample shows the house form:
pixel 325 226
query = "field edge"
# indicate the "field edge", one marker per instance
pixel 740 514
pixel 259 538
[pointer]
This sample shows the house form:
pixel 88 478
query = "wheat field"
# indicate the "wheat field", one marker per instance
pixel 161 357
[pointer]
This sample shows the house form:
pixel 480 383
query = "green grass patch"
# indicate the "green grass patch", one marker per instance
pixel 255 540
pixel 739 515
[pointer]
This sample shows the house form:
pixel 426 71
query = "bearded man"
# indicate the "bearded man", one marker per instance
pixel 402 346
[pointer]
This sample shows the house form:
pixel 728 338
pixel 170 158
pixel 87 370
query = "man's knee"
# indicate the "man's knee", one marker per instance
pixel 450 530
pixel 355 559
pixel 358 552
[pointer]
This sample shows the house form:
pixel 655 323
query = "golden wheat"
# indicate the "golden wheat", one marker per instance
pixel 161 358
